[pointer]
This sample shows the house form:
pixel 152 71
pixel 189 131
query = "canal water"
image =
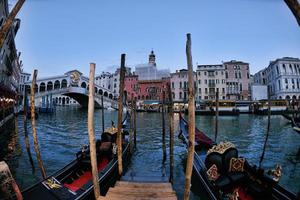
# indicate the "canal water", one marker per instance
pixel 63 133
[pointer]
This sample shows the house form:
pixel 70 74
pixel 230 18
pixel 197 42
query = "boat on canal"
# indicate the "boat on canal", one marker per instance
pixel 225 175
pixel 74 181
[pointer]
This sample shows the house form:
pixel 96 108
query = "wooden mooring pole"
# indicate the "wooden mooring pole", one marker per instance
pixel 268 129
pixel 9 21
pixel 8 183
pixel 27 143
pixel 191 117
pixel 217 116
pixel 120 112
pixel 163 127
pixel 131 123
pixel 33 124
pixel 102 114
pixel 92 140
pixel 134 122
pixel 171 129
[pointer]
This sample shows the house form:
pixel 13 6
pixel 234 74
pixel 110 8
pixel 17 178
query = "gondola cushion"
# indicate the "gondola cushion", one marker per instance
pixel 214 159
pixel 236 164
pixel 212 173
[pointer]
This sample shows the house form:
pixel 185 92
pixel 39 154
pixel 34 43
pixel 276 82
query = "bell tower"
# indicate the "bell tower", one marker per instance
pixel 152 58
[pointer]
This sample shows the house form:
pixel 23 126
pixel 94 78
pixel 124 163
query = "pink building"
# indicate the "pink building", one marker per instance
pixel 146 89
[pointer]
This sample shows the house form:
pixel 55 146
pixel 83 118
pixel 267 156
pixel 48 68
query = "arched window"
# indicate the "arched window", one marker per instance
pixel 64 83
pixel 49 86
pixel 96 90
pixel 105 94
pixel 110 96
pixel 63 101
pixel 100 92
pixel 68 100
pixel 287 97
pixel 56 85
pixel 42 87
pixel 36 88
pixel 83 85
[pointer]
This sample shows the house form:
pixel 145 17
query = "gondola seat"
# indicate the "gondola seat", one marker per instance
pixel 223 183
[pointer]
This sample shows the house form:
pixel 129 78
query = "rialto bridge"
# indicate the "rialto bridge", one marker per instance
pixel 72 84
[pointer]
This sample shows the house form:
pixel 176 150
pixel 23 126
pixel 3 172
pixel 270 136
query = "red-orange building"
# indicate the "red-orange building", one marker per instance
pixel 146 89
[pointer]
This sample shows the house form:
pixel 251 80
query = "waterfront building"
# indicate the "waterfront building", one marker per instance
pixel 179 86
pixel 283 78
pixel 211 79
pixel 260 77
pixel 237 77
pixel 24 77
pixel 105 80
pixel 9 57
pixel 115 80
pixel 149 70
pixel 259 92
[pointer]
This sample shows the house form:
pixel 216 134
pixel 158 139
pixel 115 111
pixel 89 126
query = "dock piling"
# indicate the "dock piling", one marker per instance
pixel 217 116
pixel 120 112
pixel 92 141
pixel 163 127
pixel 171 129
pixel 134 122
pixel 33 124
pixel 191 117
pixel 102 114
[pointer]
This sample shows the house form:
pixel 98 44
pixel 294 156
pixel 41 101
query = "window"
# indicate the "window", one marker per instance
pixel 226 74
pixel 216 73
pixel 173 85
pixel 205 81
pixel 180 85
pixel 283 66
pixel 199 73
pixel 199 81
pixel 200 90
pixel 241 87
pixel 204 73
pixel 223 81
pixel 223 90
pixel 235 74
pixel 205 97
pixel 211 73
pixel 277 69
pixel 279 86
pixel 200 97
pixel 240 75
pixel 291 69
pixel 205 90
pixel 180 95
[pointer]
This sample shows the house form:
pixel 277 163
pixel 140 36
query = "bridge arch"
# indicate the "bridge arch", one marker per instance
pixel 49 86
pixel 64 83
pixel 56 85
pixel 83 85
pixel 42 87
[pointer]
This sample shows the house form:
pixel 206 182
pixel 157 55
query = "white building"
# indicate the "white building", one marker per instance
pixel 24 77
pixel 283 78
pixel 259 92
pixel 179 85
pixel 105 80
pixel 149 70
pixel 211 79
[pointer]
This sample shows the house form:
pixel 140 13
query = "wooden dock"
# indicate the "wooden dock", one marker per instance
pixel 141 191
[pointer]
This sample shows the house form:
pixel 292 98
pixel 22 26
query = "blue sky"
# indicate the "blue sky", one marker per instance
pixel 60 35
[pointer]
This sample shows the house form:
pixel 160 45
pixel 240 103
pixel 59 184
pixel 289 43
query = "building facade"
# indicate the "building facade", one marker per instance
pixel 283 78
pixel 237 77
pixel 211 79
pixel 10 67
pixel 179 85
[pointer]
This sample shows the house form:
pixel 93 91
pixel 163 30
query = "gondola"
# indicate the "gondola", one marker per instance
pixel 296 125
pixel 225 175
pixel 74 181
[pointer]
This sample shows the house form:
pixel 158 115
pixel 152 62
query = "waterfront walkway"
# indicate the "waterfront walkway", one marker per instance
pixel 141 191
